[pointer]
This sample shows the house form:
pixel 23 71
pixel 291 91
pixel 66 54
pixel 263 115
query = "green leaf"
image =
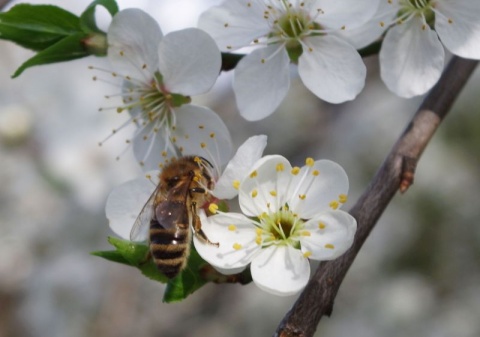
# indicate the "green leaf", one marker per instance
pixel 111 255
pixel 87 18
pixel 69 48
pixel 132 254
pixel 188 281
pixel 37 26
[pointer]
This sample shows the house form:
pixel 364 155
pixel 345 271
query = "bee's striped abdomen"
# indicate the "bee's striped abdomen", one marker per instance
pixel 169 247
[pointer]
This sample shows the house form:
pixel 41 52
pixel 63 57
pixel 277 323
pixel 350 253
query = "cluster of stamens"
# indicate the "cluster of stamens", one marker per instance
pixel 289 25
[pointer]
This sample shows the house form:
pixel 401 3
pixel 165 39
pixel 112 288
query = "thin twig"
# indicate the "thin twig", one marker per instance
pixel 396 171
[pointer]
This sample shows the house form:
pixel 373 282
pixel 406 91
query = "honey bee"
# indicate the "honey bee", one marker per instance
pixel 171 213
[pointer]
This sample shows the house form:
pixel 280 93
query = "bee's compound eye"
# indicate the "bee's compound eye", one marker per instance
pixel 172 182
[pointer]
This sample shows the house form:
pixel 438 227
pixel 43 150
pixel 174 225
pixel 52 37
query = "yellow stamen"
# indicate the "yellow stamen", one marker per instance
pixel 306 233
pixel 316 172
pixel 329 246
pixel 213 208
pixel 236 184
pixel 253 174
pixel 321 225
pixel 273 193
pixel 237 246
pixel 232 227
pixel 342 198
pixel 334 204
pixel 302 196
pixel 307 254
pixel 280 167
pixel 295 170
pixel 254 193
pixel 309 161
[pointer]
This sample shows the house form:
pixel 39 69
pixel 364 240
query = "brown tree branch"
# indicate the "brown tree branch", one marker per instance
pixel 395 173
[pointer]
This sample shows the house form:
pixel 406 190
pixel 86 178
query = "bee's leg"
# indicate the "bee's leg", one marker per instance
pixel 197 227
pixel 197 190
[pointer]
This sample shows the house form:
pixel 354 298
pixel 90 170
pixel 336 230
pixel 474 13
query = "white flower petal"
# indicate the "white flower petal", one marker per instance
pixel 280 270
pixel 233 24
pixel 260 86
pixel 236 244
pixel 369 32
pixel 411 58
pixel 239 166
pixel 332 78
pixel 230 271
pixel 189 61
pixel 310 193
pixel 125 203
pixel 348 13
pixel 200 131
pixel 133 38
pixel 331 235
pixel 458 26
pixel 264 188
pixel 148 147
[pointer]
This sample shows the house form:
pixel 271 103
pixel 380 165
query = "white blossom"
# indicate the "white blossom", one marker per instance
pixel 159 75
pixel 300 32
pixel 290 215
pixel 412 53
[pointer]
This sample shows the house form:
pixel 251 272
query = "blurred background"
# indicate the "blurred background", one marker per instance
pixel 417 275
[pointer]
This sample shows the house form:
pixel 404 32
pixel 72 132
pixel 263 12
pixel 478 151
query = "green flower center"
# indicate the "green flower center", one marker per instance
pixel 422 8
pixel 154 101
pixel 281 227
pixel 290 26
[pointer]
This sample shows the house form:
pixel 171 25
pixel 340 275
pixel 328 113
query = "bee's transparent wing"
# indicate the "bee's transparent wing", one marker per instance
pixel 141 226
